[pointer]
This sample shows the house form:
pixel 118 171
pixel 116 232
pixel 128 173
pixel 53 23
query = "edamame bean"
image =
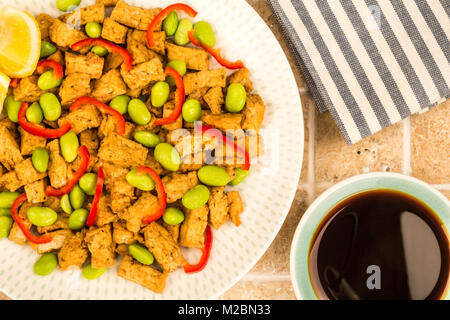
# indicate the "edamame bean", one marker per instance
pixel 12 108
pixel 77 196
pixel 93 29
pixel 40 159
pixel 46 264
pixel 181 35
pixel 236 97
pixel 41 216
pixel 141 254
pixel 170 24
pixel 5 212
pixel 180 67
pixel 7 199
pixel 196 197
pixel 168 156
pixel 5 226
pixel 213 176
pixel 69 145
pixel 173 216
pixel 47 49
pixel 67 5
pixel 47 81
pixel 192 110
pixel 65 204
pixel 78 218
pixel 88 183
pixel 51 107
pixel 160 94
pixel 239 176
pixel 147 138
pixel 92 273
pixel 141 181
pixel 34 113
pixel 203 31
pixel 120 103
pixel 99 50
pixel 138 112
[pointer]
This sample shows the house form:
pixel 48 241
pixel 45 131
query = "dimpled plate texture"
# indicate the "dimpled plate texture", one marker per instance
pixel 267 193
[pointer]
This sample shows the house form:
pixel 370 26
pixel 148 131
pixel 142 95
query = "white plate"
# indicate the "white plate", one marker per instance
pixel 267 193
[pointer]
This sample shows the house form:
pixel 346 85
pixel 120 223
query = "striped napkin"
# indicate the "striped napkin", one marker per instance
pixel 371 63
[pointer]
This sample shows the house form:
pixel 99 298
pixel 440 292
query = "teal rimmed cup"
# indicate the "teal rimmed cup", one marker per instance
pixel 312 218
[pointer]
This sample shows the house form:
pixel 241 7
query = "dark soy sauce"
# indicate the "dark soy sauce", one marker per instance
pixel 380 244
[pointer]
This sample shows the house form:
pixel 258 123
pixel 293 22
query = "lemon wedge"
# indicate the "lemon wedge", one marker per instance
pixel 4 84
pixel 20 43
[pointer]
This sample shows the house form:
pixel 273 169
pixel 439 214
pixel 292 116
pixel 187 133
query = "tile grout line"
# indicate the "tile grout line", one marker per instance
pixel 407 147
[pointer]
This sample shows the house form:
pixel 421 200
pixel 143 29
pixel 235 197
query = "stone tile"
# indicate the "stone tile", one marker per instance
pixel 430 145
pixel 263 9
pixel 276 258
pixel 335 160
pixel 246 290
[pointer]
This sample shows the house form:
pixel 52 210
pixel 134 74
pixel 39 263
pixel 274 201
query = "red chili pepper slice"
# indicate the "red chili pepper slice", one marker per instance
pixel 243 152
pixel 111 47
pixel 14 82
pixel 85 157
pixel 23 224
pixel 206 251
pixel 180 98
pixel 215 53
pixel 98 193
pixel 38 130
pixel 103 108
pixel 161 194
pixel 44 65
pixel 162 15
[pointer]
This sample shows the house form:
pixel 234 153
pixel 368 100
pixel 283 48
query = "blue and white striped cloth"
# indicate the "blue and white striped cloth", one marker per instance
pixel 371 63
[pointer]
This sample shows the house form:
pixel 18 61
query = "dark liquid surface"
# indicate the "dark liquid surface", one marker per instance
pixel 380 244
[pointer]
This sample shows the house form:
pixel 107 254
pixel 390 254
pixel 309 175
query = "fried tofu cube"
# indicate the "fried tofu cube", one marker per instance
pixel 121 235
pixel 58 57
pixel 58 168
pixel 169 107
pixel 112 61
pixel 90 64
pixel 89 138
pixel 196 59
pixel 122 151
pixel 44 22
pixel 235 207
pixel 62 222
pixel 114 31
pixel 109 125
pixel 111 172
pixel 242 76
pixel 26 173
pixel 173 230
pixel 10 181
pixel 74 86
pixel 139 52
pixel 104 214
pixel 27 90
pixel 36 191
pixel 16 235
pixel 163 247
pixel 122 193
pixel 145 276
pixel 29 142
pixel 145 205
pixel 107 3
pixel 93 13
pixel 58 238
pixel 141 36
pixel 177 184
pixel 215 99
pixel 253 113
pixel 143 74
pixel 9 149
pixel 224 122
pixel 206 78
pixel 64 35
pixel 199 94
pixel 109 86
pixel 134 17
pixel 73 253
pixel 218 207
pixel 192 232
pixel 99 242
pixel 82 119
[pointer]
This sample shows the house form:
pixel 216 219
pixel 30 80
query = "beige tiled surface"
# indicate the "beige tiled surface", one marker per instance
pixel 419 146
